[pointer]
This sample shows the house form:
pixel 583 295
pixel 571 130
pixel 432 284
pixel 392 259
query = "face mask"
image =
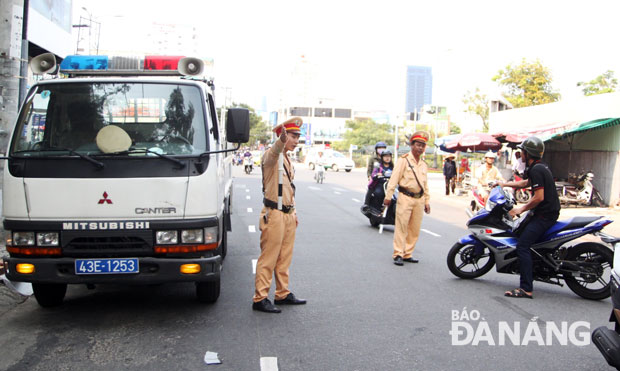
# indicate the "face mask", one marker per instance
pixel 380 150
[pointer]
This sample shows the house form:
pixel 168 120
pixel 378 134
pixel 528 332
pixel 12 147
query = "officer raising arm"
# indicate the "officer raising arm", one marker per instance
pixel 410 175
pixel 278 220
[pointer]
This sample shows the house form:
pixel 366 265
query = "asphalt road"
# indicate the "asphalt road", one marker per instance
pixel 363 312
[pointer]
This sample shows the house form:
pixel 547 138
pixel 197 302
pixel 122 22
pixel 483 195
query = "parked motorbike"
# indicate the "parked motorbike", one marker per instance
pixel 375 209
pixel 248 165
pixel 585 267
pixel 581 193
pixel 607 340
pixel 522 195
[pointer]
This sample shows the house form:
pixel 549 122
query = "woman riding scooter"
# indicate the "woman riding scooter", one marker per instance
pixel 375 186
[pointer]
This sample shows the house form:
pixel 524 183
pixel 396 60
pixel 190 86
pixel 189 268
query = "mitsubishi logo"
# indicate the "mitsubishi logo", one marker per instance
pixel 105 199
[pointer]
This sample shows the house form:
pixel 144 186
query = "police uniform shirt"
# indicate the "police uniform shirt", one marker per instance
pixel 269 165
pixel 540 176
pixel 403 177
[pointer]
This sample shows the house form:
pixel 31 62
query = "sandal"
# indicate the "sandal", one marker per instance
pixel 518 293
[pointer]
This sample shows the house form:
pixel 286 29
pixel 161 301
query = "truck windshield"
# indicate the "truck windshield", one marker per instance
pixel 162 118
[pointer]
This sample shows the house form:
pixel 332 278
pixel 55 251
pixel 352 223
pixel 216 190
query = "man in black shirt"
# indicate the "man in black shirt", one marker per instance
pixel 546 209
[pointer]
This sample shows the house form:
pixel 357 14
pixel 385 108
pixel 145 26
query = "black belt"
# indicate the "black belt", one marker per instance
pixel 407 192
pixel 274 205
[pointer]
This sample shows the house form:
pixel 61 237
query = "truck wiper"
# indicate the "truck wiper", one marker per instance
pixel 98 164
pixel 169 158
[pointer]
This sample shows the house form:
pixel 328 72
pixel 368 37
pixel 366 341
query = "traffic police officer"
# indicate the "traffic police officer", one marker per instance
pixel 410 175
pixel 277 224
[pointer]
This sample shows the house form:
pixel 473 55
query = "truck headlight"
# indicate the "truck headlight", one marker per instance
pixel 191 236
pixel 47 239
pixel 23 238
pixel 211 235
pixel 166 237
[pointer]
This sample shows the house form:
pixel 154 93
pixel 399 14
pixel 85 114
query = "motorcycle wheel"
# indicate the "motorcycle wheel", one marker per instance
pixel 597 200
pixel 584 255
pixel 522 196
pixel 461 255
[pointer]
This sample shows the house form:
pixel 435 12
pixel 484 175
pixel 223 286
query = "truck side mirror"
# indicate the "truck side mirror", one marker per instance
pixel 238 125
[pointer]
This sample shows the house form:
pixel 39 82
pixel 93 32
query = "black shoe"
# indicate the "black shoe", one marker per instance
pixel 265 306
pixel 290 299
pixel 411 260
pixel 398 260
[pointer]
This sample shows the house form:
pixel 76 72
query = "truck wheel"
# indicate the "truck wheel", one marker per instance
pixel 49 294
pixel 335 168
pixel 208 292
pixel 311 166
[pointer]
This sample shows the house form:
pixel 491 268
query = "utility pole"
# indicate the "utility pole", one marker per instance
pixel 11 55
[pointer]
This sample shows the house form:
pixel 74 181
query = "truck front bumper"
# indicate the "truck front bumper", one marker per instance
pixel 152 271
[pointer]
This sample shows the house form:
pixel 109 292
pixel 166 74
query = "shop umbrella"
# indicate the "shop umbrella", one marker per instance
pixel 475 142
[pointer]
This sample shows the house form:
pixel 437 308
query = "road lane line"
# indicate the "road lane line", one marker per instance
pixel 247 190
pixel 314 188
pixel 337 193
pixel 429 232
pixel 249 209
pixel 251 228
pixel 247 197
pixel 356 200
pixel 268 363
pixel 254 261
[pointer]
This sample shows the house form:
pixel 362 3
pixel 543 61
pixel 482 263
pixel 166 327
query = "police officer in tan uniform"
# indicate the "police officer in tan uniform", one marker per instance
pixel 410 175
pixel 277 222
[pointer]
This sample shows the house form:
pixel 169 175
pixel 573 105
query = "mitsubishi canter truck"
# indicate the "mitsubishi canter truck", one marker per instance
pixel 119 173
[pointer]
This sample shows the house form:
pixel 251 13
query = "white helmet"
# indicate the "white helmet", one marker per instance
pixel 490 154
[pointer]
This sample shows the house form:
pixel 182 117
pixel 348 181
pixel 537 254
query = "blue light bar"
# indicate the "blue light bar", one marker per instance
pixel 84 62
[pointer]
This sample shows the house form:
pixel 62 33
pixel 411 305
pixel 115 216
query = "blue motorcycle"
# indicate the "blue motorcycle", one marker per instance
pixel 585 267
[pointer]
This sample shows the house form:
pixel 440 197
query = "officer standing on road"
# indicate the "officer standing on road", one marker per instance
pixel 410 175
pixel 546 206
pixel 277 225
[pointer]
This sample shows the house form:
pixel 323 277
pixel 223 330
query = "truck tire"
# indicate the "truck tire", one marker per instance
pixel 208 292
pixel 49 294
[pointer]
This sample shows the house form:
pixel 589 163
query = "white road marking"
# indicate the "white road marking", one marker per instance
pixel 247 197
pixel 268 363
pixel 429 232
pixel 239 185
pixel 254 261
pixel 339 189
pixel 314 188
pixel 249 209
pixel 356 200
pixel 247 190
pixel 337 193
pixel 251 228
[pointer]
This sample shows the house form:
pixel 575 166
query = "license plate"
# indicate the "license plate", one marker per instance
pixel 107 266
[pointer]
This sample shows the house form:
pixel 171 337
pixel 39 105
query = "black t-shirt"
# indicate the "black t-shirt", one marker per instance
pixel 540 177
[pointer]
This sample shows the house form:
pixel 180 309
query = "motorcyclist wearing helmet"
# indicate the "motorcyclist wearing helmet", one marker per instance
pixel 375 162
pixel 378 173
pixel 545 205
pixel 490 174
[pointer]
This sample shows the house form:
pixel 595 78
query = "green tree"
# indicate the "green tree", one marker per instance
pixel 478 104
pixel 364 132
pixel 605 83
pixel 454 128
pixel 527 84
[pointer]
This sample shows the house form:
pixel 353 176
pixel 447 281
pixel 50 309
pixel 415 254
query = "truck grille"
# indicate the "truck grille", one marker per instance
pixel 100 244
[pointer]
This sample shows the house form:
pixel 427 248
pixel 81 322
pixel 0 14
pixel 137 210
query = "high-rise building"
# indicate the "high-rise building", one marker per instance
pixel 419 87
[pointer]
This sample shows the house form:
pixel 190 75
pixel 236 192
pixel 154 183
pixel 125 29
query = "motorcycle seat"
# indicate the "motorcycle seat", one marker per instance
pixel 572 223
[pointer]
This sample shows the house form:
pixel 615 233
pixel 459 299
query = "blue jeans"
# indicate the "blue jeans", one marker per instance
pixel 532 232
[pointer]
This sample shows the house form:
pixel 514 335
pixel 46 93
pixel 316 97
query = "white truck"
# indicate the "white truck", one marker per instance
pixel 119 174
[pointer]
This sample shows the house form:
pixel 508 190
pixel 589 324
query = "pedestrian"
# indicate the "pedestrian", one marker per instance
pixel 277 224
pixel 546 206
pixel 410 175
pixel 519 166
pixel 449 173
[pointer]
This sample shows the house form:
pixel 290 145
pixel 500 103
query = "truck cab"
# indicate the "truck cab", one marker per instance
pixel 120 175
